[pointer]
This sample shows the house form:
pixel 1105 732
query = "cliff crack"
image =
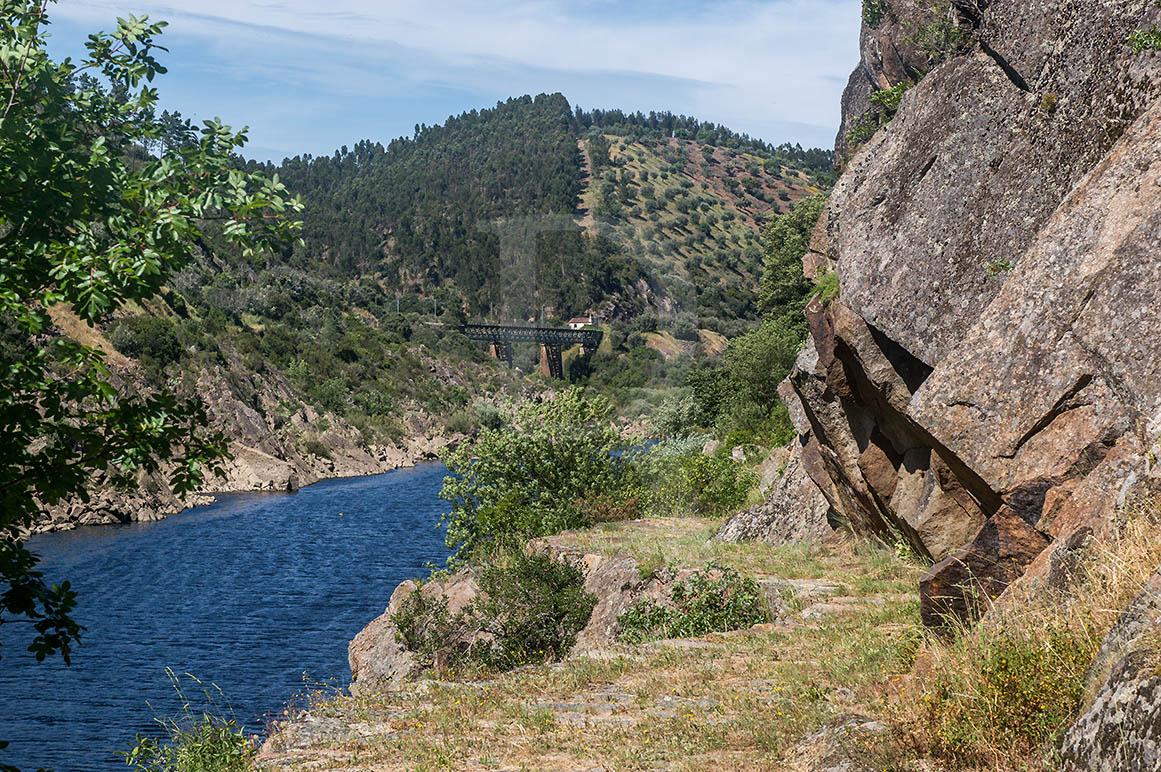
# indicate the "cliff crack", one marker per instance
pixel 1016 78
pixel 1063 405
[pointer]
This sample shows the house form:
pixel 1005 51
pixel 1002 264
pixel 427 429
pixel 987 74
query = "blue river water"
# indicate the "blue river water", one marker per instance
pixel 257 594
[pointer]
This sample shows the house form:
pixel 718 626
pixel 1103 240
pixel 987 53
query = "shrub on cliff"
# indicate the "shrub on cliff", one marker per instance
pixel 532 476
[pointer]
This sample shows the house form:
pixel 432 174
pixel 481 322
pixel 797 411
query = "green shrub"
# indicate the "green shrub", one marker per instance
pixel 874 11
pixel 147 338
pixel 941 38
pixel 461 422
pixel 716 599
pixel 675 479
pixel 1142 40
pixel 374 402
pixel 532 477
pixel 827 287
pixel 884 105
pixel 1008 692
pixel 677 416
pixel 316 447
pixel 488 415
pixel 530 610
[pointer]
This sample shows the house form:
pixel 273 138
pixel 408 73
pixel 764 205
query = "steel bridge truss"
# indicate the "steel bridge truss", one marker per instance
pixel 552 340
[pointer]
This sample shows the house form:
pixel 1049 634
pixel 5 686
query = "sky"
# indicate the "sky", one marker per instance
pixel 309 76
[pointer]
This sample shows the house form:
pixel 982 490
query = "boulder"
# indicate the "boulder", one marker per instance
pixel 848 743
pixel 378 661
pixel 959 586
pixel 1121 732
pixel 795 511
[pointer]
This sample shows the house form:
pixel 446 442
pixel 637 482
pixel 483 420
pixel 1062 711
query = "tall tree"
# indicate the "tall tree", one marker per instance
pixel 89 220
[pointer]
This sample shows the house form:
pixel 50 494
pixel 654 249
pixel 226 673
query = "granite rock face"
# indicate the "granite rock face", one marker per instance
pixel 995 347
pixel 378 660
pixel 794 511
pixel 1121 732
pixel 888 58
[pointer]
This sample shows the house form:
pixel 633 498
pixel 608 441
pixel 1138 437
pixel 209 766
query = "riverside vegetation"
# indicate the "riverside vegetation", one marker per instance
pixel 794 656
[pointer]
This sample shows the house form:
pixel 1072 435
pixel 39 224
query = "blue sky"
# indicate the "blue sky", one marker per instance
pixel 309 76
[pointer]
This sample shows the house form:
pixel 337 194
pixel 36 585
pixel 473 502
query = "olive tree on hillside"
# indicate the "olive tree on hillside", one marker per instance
pixel 90 220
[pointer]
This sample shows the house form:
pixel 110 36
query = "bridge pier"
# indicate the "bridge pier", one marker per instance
pixel 551 364
pixel 502 350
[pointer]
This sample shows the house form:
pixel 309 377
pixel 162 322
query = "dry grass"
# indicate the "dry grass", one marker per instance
pixel 859 567
pixel 734 701
pixel 999 695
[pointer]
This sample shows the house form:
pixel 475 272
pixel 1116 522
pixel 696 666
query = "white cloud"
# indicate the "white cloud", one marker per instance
pixel 761 67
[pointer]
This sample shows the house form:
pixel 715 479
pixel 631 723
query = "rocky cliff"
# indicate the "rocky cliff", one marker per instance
pixel 277 442
pixel 988 379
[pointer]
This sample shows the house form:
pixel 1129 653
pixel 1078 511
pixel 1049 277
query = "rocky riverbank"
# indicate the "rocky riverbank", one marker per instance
pixel 277 442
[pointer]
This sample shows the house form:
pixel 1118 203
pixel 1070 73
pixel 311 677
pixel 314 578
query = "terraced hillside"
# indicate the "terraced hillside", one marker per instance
pixel 692 213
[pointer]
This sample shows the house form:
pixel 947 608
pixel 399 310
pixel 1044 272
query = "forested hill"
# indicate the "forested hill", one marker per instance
pixel 534 208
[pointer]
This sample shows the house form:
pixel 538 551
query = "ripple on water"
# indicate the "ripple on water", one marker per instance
pixel 247 593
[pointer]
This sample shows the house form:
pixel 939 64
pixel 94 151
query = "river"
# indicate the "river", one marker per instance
pixel 257 594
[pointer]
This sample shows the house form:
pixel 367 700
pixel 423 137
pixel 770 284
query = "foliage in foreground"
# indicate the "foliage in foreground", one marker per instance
pixel 90 221
pixel 530 610
pixel 533 476
pixel 716 599
pixel 195 740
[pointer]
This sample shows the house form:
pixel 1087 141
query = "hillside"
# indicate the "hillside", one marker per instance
pixel 338 356
pixel 495 212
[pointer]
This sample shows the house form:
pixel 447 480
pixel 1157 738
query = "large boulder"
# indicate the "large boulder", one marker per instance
pixel 959 586
pixel 794 511
pixel 378 660
pixel 995 345
pixel 1121 730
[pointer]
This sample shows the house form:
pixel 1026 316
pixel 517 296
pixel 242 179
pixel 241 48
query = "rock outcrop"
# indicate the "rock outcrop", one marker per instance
pixel 378 660
pixel 276 443
pixel 794 511
pixel 995 347
pixel 888 57
pixel 1121 730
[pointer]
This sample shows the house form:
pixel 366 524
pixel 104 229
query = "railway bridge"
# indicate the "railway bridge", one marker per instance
pixel 552 340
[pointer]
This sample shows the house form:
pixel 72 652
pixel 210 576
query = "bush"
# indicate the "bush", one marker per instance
pixel 674 479
pixel 148 338
pixel 489 416
pixel 1012 691
pixel 884 105
pixel 677 416
pixel 531 478
pixel 530 609
pixel 1006 689
pixel 874 11
pixel 461 422
pixel 716 599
